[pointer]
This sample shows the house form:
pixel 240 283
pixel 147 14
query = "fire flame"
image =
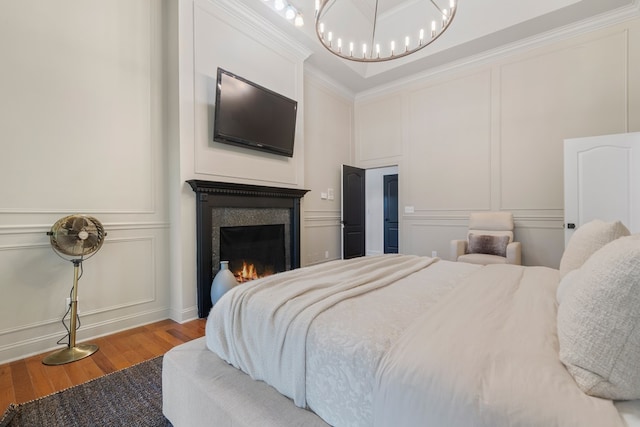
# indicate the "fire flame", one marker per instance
pixel 249 272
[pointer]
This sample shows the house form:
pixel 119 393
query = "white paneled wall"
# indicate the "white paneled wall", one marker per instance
pixel 81 107
pixel 489 137
pixel 329 144
pixel 260 59
pixel 225 34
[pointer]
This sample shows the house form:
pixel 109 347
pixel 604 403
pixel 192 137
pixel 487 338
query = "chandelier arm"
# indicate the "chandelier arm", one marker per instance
pixel 436 6
pixel 373 33
pixel 326 9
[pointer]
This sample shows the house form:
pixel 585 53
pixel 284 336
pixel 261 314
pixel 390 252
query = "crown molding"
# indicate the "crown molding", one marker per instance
pixel 251 23
pixel 599 22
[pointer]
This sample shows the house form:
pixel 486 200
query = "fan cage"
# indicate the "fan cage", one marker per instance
pixel 77 236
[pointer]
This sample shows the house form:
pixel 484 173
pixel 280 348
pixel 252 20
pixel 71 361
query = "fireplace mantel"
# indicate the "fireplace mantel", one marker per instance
pixel 214 194
pixel 230 188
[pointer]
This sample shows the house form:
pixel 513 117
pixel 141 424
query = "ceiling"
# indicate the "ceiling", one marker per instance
pixel 480 27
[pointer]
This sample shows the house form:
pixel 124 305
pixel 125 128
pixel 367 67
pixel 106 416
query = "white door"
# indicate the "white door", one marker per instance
pixel 602 181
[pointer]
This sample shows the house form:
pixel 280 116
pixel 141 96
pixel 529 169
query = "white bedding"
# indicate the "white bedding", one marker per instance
pixel 261 327
pixel 487 356
pixel 349 337
pixel 346 343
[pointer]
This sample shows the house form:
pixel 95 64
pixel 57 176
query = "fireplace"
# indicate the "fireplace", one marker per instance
pixel 254 251
pixel 236 222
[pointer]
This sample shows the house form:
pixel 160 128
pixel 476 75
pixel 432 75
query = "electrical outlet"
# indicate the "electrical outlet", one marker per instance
pixel 67 305
pixel 330 194
pixel 434 254
pixel 326 254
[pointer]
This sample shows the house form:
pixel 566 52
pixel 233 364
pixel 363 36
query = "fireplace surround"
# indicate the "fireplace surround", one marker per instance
pixel 224 204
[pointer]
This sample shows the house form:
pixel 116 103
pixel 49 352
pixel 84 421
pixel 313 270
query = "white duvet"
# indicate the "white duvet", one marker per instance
pixel 437 343
pixel 261 327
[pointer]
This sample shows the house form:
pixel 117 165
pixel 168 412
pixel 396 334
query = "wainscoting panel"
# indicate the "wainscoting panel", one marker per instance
pixel 328 145
pixel 448 145
pixel 541 237
pixel 489 135
pixel 379 129
pixel 565 96
pixel 76 106
pixel 122 285
pixel 321 231
pixel 86 131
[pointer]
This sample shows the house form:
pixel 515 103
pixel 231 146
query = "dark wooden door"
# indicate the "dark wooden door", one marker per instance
pixel 353 212
pixel 390 194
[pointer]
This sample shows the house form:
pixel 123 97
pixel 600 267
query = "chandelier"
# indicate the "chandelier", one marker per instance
pixel 360 30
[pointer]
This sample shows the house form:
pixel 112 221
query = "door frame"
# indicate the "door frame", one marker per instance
pixel 374 226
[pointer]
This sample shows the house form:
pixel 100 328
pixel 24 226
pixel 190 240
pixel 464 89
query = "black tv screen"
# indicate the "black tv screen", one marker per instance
pixel 249 115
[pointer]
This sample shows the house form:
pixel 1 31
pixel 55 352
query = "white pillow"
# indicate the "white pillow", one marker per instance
pixel 599 322
pixel 587 239
pixel 565 284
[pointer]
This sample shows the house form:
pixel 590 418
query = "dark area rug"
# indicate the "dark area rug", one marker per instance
pixel 130 397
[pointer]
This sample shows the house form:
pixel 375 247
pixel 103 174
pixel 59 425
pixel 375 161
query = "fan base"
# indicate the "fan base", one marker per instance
pixel 70 354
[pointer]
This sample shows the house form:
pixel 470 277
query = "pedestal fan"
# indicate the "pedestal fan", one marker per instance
pixel 75 238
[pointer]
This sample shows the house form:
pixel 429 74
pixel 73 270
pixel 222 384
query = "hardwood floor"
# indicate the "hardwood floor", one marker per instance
pixel 28 379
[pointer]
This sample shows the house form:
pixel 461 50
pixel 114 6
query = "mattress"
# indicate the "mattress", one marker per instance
pixel 198 387
pixel 200 390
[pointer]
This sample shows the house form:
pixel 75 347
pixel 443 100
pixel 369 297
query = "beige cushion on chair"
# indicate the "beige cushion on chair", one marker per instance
pixel 485 230
pixel 599 321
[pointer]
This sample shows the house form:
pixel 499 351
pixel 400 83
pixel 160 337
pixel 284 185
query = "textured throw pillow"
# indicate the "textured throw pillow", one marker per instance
pixel 599 322
pixel 569 280
pixel 489 245
pixel 587 239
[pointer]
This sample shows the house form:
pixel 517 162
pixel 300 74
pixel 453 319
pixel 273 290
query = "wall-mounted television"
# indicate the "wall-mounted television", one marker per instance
pixel 252 116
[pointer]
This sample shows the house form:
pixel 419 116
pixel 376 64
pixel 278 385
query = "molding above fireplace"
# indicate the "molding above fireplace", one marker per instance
pixel 214 194
pixel 229 188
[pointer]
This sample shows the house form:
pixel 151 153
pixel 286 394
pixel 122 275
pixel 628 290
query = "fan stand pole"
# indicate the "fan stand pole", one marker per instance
pixel 73 352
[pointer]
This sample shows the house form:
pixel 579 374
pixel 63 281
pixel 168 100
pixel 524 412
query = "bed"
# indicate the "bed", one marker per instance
pixel 399 340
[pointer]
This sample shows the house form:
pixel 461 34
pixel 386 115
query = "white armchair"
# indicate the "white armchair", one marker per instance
pixel 489 240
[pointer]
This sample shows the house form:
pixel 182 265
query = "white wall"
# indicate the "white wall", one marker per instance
pixel 329 144
pixel 82 132
pixel 224 34
pixel 489 136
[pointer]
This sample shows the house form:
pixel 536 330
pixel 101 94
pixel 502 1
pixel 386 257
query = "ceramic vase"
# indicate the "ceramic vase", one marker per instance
pixel 222 282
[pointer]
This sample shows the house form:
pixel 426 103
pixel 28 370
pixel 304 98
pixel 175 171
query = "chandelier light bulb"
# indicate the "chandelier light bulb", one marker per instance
pixel 350 48
pixel 364 50
pixel 393 47
pixel 378 50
